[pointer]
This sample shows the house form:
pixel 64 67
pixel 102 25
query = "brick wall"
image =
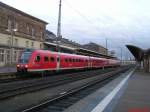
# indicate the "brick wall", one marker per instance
pixel 28 27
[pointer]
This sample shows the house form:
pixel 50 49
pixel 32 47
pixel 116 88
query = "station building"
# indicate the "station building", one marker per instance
pixel 68 46
pixel 18 31
pixel 65 45
pixel 95 47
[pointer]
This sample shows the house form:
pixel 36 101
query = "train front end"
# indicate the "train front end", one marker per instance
pixel 23 62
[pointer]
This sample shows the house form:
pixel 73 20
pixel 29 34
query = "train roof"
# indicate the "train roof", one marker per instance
pixel 47 51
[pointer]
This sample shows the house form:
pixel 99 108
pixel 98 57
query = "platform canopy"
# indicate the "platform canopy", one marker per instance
pixel 137 52
pixel 147 52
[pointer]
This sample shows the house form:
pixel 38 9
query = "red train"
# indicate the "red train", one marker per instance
pixel 44 60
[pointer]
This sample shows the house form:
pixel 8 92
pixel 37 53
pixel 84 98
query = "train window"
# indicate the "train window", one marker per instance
pixel 76 60
pixel 37 59
pixel 58 59
pixel 70 60
pixel 52 59
pixel 46 59
pixel 66 60
pixel 73 60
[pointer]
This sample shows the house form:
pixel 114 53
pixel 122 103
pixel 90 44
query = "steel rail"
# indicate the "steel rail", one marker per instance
pixel 32 87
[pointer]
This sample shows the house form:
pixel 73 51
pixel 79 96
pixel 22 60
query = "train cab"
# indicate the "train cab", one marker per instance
pixel 23 62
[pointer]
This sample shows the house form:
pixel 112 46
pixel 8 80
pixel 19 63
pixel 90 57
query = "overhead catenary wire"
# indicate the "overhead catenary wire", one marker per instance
pixel 89 21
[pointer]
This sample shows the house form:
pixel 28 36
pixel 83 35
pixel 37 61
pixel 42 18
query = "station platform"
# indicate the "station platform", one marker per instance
pixel 129 92
pixel 136 97
pixel 7 70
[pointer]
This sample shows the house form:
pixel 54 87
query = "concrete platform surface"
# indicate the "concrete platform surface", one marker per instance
pixel 7 70
pixel 132 96
pixel 136 97
pixel 89 103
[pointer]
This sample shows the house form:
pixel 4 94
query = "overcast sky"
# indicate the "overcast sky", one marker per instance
pixel 120 21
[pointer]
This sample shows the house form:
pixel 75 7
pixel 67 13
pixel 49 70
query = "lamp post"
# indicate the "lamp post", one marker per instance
pixel 120 55
pixel 59 25
pixel 106 46
pixel 58 35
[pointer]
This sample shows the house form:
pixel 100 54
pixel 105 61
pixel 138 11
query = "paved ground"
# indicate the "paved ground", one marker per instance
pixel 7 69
pixel 88 103
pixel 136 97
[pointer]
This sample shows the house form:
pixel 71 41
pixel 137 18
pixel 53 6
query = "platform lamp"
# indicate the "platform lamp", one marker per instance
pixel 106 46
pixel 120 54
pixel 11 30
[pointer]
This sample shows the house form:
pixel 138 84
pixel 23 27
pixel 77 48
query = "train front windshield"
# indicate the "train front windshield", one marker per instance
pixel 25 57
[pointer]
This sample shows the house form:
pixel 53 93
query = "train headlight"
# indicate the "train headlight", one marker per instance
pixel 18 65
pixel 26 66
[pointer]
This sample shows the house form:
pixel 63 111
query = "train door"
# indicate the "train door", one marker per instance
pixel 90 62
pixel 58 62
pixel 46 62
pixel 52 64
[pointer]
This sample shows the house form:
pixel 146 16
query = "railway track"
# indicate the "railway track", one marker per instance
pixel 20 87
pixel 19 77
pixel 61 102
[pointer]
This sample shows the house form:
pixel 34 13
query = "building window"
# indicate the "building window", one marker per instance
pixel 15 56
pixel 9 24
pixel 1 55
pixel 40 46
pixel 16 42
pixel 33 32
pixel 7 56
pixel 41 35
pixel 27 44
pixel 32 44
pixel 16 25
pixel 28 29
pixel 9 41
